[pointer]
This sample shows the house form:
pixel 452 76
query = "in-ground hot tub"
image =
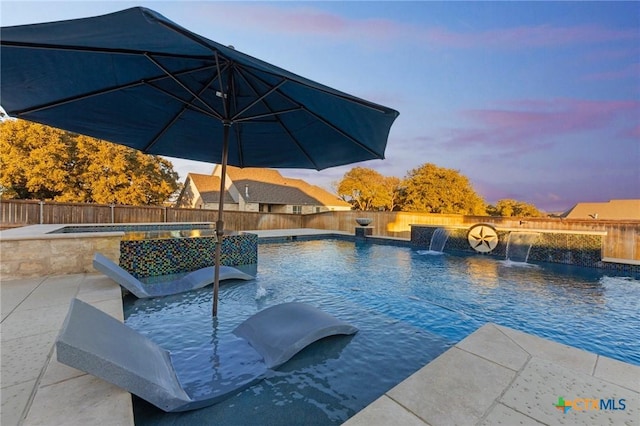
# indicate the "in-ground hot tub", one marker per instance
pixel 165 252
pixel 144 250
pixel 151 250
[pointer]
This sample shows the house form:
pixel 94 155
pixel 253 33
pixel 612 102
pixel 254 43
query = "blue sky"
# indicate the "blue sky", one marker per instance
pixel 535 101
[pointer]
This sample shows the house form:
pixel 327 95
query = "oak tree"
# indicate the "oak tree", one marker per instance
pixel 366 189
pixel 41 162
pixel 513 208
pixel 434 189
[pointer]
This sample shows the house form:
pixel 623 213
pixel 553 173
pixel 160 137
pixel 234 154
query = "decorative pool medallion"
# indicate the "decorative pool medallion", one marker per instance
pixel 364 221
pixel 482 238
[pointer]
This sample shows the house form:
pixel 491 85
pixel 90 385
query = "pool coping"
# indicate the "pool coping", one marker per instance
pixel 498 375
pixel 42 391
pixel 44 232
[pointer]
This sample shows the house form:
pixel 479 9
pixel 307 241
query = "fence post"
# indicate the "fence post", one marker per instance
pixel 41 202
pixel 164 210
pixel 113 217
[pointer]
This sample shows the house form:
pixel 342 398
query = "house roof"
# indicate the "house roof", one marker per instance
pixel 209 188
pixel 255 174
pixel 265 186
pixel 270 187
pixel 254 191
pixel 204 182
pixel 612 210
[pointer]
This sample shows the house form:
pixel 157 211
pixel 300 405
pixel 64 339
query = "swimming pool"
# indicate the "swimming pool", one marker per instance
pixel 409 308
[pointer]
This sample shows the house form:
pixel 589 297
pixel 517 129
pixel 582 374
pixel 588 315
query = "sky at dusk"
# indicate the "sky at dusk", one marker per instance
pixel 534 101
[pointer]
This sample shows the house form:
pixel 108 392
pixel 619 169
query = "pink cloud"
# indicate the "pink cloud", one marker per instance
pixel 531 125
pixel 633 133
pixel 305 20
pixel 297 20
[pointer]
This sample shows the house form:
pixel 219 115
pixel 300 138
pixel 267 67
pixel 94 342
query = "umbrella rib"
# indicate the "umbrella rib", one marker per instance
pixel 76 98
pixel 325 122
pixel 177 116
pixel 318 87
pixel 214 114
pixel 257 100
pixel 268 114
pixel 277 117
pixel 174 78
pixel 295 140
pixel 345 134
pixel 108 90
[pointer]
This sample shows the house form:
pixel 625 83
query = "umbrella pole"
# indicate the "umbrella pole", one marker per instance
pixel 219 222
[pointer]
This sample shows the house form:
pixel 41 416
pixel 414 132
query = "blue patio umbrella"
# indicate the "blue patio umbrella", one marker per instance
pixel 138 79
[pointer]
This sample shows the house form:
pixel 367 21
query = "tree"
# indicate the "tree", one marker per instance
pixel 392 187
pixel 434 189
pixel 41 162
pixel 511 208
pixel 366 189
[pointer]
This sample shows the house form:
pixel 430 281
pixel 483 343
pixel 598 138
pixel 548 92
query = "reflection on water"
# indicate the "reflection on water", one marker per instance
pixel 164 234
pixel 482 271
pixel 407 306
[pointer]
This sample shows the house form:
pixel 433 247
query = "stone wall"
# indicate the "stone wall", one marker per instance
pixel 55 255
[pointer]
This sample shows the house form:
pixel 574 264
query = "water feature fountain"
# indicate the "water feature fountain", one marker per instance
pixel 519 245
pixel 260 292
pixel 363 229
pixel 438 240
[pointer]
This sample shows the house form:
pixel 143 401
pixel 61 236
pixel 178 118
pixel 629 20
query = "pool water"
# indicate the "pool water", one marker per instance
pixel 409 307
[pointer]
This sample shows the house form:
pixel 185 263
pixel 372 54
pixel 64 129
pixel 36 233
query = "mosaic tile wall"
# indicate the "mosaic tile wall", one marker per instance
pixel 572 249
pixel 421 236
pixel 155 257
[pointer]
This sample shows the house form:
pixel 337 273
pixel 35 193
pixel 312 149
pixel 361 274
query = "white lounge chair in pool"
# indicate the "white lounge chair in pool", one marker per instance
pixel 98 344
pixel 191 281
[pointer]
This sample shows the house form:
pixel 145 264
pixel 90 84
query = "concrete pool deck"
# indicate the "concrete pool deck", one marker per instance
pixel 36 389
pixel 498 375
pixel 495 375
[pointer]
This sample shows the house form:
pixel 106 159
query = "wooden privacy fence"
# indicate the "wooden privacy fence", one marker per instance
pixel 622 240
pixel 28 212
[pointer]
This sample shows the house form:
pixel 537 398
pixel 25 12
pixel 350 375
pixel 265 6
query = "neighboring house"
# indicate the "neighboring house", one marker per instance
pixel 257 190
pixel 611 210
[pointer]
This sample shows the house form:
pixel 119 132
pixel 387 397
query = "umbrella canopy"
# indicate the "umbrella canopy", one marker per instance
pixel 138 79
